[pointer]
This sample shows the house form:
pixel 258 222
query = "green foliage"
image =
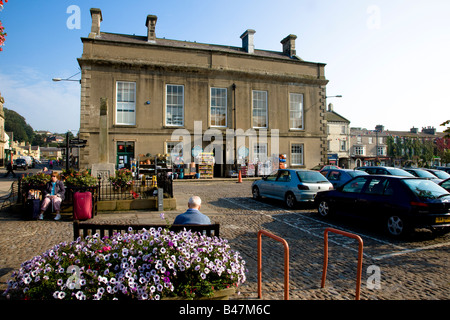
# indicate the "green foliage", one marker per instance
pixel 36 180
pixel 16 123
pixel 81 179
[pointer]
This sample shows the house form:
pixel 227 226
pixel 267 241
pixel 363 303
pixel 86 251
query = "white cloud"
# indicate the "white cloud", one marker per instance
pixel 45 105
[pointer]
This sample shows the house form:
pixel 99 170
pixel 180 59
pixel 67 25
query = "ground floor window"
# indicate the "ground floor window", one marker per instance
pixel 125 152
pixel 297 154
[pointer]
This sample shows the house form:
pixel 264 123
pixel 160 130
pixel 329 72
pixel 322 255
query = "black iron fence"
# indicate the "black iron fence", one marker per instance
pixel 139 189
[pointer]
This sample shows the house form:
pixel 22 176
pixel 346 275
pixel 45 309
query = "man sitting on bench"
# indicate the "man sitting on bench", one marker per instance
pixel 192 214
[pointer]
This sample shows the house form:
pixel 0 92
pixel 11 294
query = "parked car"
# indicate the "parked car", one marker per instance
pixel 20 163
pixel 446 169
pixel 320 167
pixel 291 186
pixel 439 173
pixel 338 177
pixel 421 173
pixel 400 203
pixel 445 184
pixel 385 170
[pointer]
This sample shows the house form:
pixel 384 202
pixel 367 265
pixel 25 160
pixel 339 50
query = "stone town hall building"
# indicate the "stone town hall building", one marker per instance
pixel 143 95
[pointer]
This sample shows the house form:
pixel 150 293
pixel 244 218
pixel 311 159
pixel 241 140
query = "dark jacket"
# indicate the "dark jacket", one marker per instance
pixel 59 189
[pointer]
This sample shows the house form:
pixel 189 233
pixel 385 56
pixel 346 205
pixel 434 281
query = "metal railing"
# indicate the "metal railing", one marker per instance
pixel 104 190
pixel 286 262
pixel 360 256
pixel 142 189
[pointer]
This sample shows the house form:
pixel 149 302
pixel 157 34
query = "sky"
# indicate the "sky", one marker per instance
pixel 388 59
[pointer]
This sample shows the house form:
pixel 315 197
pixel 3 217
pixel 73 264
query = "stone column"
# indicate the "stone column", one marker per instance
pixel 104 168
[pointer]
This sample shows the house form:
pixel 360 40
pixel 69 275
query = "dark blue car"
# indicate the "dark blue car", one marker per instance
pixel 400 203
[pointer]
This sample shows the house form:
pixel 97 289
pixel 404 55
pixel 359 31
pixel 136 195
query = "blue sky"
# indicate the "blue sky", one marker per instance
pixel 388 59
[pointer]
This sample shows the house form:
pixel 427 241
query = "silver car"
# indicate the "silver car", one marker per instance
pixel 291 186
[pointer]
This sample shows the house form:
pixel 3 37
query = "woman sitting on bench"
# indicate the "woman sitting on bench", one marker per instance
pixel 54 193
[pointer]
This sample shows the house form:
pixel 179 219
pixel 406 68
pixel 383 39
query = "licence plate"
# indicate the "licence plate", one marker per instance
pixel 442 219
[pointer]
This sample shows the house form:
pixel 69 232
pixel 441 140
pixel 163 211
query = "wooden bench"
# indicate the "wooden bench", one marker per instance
pixel 11 196
pixel 82 228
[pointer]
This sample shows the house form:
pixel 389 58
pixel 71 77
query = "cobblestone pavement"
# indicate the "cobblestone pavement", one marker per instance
pixel 415 268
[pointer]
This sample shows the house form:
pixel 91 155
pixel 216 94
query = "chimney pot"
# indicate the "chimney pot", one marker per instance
pixel 151 27
pixel 247 41
pixel 289 45
pixel 96 15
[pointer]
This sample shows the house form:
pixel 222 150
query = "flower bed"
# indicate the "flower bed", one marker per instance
pixel 149 264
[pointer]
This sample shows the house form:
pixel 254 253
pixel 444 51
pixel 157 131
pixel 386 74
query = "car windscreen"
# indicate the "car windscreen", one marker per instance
pixel 400 172
pixel 426 189
pixel 355 173
pixel 311 177
pixel 425 174
pixel 441 174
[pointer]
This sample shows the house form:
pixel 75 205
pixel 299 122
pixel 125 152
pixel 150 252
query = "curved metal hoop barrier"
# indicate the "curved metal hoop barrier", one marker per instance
pixel 286 262
pixel 360 256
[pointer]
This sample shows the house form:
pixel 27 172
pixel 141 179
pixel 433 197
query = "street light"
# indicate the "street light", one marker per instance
pixel 338 96
pixel 68 79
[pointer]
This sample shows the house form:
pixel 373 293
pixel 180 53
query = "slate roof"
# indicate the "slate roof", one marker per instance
pixel 142 40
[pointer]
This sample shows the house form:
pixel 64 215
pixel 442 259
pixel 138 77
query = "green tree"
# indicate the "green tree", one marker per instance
pixel 447 130
pixel 16 123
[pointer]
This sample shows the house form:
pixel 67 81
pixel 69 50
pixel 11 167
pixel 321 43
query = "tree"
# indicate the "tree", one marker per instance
pixel 16 123
pixel 447 131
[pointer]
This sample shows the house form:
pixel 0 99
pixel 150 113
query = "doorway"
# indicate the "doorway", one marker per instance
pixel 125 152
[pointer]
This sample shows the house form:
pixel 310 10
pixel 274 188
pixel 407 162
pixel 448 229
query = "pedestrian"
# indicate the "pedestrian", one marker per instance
pixel 54 194
pixel 193 214
pixel 10 168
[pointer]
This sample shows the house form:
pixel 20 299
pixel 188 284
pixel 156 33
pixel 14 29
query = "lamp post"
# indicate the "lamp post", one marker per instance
pixel 68 79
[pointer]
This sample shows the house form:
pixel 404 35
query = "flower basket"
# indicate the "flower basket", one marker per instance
pixel 123 180
pixel 79 180
pixel 36 181
pixel 149 264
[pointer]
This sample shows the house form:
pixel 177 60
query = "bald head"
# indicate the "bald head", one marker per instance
pixel 194 202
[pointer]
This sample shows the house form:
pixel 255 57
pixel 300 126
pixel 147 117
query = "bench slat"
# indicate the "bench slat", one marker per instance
pixel 81 229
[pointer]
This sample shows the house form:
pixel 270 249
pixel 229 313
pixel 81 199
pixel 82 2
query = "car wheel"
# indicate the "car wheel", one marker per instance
pixel 396 226
pixel 324 208
pixel 290 200
pixel 255 193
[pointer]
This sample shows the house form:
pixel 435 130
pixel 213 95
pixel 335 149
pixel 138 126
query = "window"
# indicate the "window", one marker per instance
pixel 381 151
pixel 376 186
pixel 218 107
pixel 297 154
pixel 174 105
pixel 295 111
pixel 284 176
pixel 260 151
pixel 259 109
pixel 125 103
pixel 355 186
pixel 343 145
pixel 359 151
pixel 175 147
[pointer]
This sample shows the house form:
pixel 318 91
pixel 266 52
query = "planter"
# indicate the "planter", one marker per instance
pixel 223 294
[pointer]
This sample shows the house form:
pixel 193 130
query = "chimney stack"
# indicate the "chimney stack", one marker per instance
pixel 247 41
pixel 96 15
pixel 151 28
pixel 289 45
